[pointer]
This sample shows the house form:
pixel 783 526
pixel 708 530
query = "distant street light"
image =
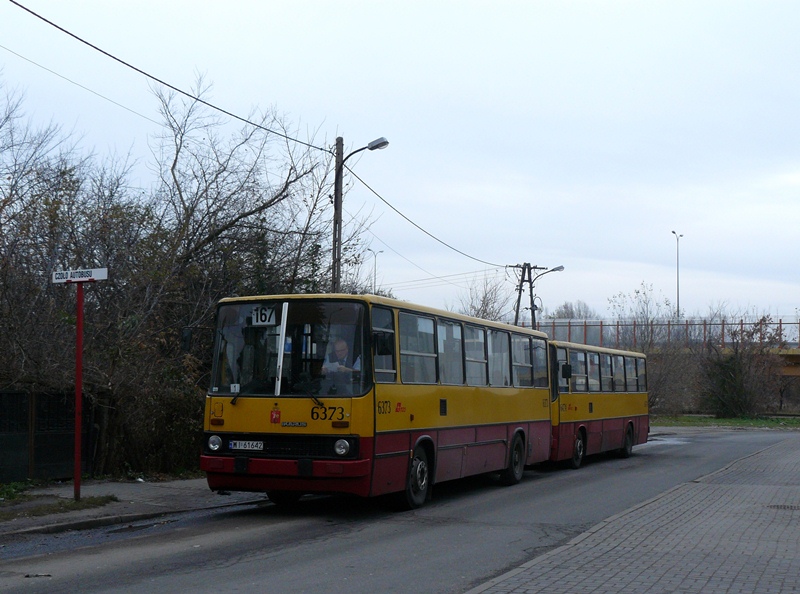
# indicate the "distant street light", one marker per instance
pixel 375 269
pixel 533 282
pixel 678 271
pixel 379 143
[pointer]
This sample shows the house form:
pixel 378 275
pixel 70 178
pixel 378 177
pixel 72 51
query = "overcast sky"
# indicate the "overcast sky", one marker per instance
pixel 556 133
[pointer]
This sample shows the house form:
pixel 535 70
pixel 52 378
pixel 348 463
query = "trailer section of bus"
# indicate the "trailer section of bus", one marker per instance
pixel 599 401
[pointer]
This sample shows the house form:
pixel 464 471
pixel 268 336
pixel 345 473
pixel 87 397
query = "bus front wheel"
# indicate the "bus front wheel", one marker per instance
pixel 418 480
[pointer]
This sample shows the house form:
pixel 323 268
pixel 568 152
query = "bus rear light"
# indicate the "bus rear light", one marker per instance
pixel 217 421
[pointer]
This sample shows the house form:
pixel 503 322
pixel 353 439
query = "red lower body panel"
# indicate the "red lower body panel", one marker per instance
pixel 601 435
pixel 318 476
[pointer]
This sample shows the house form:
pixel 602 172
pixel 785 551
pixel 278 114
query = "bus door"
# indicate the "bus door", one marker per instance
pixel 560 374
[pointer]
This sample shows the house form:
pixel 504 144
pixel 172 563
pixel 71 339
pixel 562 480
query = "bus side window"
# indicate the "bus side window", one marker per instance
pixel 641 368
pixel 619 373
pixel 449 351
pixel 417 349
pixel 539 363
pixel 499 358
pixel 521 360
pixel 383 345
pixel 578 361
pixel 594 371
pixel 475 355
pixel 630 374
pixel 606 377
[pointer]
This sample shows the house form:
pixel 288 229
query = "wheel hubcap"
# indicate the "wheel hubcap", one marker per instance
pixel 420 475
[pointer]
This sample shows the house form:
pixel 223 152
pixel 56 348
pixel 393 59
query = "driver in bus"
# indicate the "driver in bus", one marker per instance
pixel 339 360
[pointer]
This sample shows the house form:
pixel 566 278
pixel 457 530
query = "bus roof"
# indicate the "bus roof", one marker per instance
pixel 388 302
pixel 595 349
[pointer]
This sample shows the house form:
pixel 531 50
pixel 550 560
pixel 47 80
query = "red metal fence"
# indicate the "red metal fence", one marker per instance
pixel 632 334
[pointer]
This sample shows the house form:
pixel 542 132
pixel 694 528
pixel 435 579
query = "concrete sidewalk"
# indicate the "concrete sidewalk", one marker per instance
pixel 734 531
pixel 137 500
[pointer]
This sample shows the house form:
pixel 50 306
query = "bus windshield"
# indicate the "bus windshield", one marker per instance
pixel 323 353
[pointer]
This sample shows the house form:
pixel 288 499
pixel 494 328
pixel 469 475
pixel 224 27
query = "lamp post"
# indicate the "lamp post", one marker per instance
pixel 527 271
pixel 533 307
pixel 379 143
pixel 374 269
pixel 678 271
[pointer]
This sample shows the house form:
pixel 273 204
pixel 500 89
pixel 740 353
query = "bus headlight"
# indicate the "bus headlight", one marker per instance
pixel 214 443
pixel 341 447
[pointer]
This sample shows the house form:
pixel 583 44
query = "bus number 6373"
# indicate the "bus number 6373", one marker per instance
pixel 330 413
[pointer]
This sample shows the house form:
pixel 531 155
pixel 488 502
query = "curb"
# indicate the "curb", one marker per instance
pixel 112 520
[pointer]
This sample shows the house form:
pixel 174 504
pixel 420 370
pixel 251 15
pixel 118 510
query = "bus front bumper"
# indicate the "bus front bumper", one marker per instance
pixel 241 473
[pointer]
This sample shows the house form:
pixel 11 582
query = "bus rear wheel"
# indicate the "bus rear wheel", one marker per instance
pixel 627 446
pixel 516 462
pixel 578 451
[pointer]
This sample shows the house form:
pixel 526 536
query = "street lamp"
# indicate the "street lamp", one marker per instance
pixel 527 270
pixel 375 269
pixel 379 143
pixel 678 270
pixel 533 307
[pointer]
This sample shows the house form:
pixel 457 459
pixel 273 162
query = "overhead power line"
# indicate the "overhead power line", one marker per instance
pixel 81 86
pixel 447 245
pixel 229 114
pixel 166 84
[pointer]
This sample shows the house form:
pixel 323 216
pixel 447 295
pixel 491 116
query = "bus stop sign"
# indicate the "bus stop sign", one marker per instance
pixel 80 276
pixel 89 275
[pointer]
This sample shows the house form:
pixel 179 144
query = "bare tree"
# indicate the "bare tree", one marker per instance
pixel 574 310
pixel 489 299
pixel 672 370
pixel 234 211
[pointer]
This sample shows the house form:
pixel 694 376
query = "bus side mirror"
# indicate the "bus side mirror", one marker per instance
pixel 566 371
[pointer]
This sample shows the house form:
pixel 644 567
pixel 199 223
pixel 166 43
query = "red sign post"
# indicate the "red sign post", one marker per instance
pixel 79 277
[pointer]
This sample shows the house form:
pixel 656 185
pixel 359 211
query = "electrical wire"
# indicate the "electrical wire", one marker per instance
pixel 81 86
pixel 236 117
pixel 447 245
pixel 169 86
pixel 446 279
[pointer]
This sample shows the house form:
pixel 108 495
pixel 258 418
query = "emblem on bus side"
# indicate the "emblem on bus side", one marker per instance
pixel 275 415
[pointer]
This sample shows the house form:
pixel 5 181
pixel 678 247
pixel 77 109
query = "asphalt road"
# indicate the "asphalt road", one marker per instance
pixel 472 531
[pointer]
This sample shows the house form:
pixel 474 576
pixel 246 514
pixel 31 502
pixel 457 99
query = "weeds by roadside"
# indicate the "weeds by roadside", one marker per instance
pixel 785 423
pixel 44 505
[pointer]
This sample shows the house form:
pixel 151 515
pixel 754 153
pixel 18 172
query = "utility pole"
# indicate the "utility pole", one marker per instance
pixel 377 144
pixel 337 217
pixel 527 271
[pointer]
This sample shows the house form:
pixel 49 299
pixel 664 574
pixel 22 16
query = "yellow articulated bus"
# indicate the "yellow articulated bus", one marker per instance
pixel 599 402
pixel 369 396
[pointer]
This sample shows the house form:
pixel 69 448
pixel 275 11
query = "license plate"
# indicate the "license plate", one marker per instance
pixel 246 445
